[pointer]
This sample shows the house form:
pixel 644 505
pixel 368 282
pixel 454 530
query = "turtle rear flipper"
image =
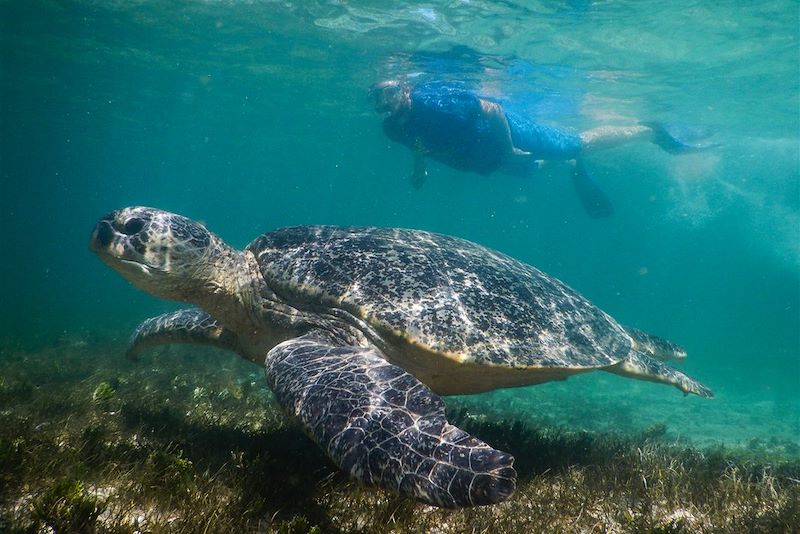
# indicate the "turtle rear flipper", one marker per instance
pixel 382 426
pixel 659 348
pixel 641 366
pixel 190 326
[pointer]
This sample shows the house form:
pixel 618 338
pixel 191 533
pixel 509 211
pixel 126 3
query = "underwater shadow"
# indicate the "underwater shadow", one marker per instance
pixel 538 450
pixel 280 470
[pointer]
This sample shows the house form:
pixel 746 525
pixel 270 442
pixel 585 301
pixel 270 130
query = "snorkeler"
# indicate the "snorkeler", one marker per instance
pixel 467 132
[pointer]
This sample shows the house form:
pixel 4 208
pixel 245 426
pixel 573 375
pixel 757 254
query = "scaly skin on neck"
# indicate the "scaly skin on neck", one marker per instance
pixel 234 292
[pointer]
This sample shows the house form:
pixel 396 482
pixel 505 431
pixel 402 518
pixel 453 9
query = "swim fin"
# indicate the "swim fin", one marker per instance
pixel 677 139
pixel 420 171
pixel 594 201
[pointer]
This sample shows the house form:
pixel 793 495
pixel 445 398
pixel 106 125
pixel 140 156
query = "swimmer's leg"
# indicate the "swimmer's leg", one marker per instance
pixel 604 137
pixel 594 201
pixel 498 122
pixel 669 138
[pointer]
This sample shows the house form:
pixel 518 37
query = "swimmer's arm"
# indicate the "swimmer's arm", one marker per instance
pixel 420 171
pixel 498 122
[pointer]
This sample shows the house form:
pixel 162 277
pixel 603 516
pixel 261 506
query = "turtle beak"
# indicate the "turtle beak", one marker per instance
pixel 114 248
pixel 102 235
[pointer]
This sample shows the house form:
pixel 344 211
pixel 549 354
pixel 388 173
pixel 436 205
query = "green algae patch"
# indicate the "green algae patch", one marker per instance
pixel 190 440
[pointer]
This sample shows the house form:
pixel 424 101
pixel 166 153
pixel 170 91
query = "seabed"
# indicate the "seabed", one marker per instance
pixel 190 440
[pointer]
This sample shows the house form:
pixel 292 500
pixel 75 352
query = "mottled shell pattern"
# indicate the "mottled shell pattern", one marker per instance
pixel 451 296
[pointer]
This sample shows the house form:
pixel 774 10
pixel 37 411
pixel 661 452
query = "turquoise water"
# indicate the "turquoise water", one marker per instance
pixel 254 115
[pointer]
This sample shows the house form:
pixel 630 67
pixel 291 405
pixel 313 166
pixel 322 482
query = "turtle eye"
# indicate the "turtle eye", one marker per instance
pixel 132 226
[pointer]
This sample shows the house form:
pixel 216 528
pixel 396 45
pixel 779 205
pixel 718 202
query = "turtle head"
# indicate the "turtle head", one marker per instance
pixel 162 253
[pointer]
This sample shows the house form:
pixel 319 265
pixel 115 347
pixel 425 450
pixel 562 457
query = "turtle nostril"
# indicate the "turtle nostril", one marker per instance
pixel 132 226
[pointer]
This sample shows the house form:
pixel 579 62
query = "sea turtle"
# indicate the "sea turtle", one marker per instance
pixel 363 327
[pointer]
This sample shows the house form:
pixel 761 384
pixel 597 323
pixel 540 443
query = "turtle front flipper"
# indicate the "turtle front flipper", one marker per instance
pixel 192 326
pixel 382 426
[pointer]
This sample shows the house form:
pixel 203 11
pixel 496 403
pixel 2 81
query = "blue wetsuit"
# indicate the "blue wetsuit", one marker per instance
pixel 445 121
